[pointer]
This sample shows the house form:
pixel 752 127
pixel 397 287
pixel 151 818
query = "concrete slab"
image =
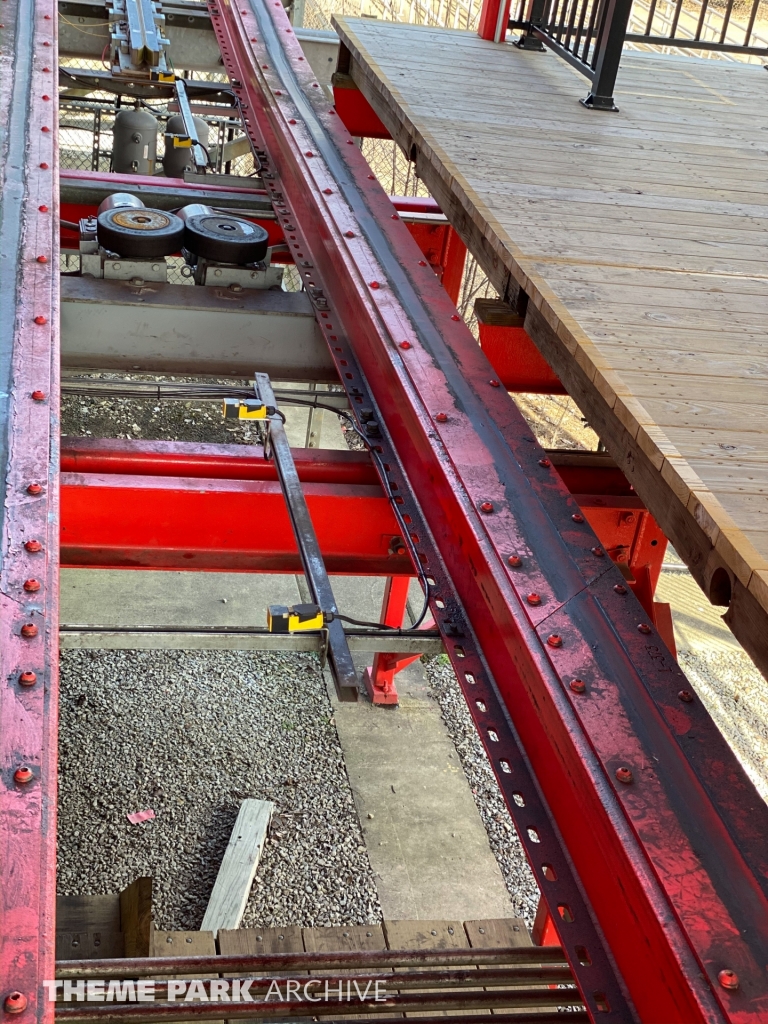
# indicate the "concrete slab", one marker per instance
pixel 426 842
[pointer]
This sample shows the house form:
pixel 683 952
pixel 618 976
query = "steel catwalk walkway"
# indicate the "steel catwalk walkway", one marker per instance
pixel 644 834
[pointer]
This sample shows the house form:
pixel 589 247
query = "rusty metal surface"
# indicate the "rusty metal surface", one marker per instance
pixel 29 509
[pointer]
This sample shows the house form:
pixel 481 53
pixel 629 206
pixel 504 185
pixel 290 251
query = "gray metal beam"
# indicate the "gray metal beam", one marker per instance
pixel 166 328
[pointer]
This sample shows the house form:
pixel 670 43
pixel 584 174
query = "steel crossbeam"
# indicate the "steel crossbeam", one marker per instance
pixel 632 776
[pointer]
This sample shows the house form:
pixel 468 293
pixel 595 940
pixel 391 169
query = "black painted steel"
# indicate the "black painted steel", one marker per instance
pixel 339 657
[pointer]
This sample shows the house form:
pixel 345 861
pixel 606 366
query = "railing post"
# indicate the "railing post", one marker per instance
pixel 494 16
pixel 612 28
pixel 536 14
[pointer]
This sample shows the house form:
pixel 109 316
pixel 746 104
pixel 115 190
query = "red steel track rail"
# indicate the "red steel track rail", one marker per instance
pixel 29 371
pixel 645 835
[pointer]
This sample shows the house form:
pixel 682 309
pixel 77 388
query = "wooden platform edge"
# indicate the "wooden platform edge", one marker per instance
pixel 702 532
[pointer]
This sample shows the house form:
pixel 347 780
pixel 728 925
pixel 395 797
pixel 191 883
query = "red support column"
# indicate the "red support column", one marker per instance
pixel 380 679
pixel 494 16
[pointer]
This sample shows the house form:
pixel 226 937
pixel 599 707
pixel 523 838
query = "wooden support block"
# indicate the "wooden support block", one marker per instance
pixel 136 917
pixel 89 945
pixel 429 935
pixel 185 944
pixel 498 933
pixel 238 867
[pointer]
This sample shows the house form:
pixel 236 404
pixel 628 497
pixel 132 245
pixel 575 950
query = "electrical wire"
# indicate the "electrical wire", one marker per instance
pixel 184 391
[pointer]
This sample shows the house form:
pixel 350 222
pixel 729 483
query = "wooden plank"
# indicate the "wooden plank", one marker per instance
pixel 346 939
pixel 89 945
pixel 499 933
pixel 88 913
pixel 640 241
pixel 429 935
pixel 136 917
pixel 185 944
pixel 232 887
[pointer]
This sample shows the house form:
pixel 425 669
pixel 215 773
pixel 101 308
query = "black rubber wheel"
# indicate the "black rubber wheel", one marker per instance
pixel 225 239
pixel 140 233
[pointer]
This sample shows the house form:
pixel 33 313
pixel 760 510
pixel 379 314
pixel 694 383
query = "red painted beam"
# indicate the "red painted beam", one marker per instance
pixel 211 508
pixel 359 117
pixel 516 361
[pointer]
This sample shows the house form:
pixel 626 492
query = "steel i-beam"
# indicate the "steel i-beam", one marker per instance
pixel 644 834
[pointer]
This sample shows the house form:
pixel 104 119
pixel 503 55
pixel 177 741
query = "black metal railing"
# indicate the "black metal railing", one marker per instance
pixel 591 34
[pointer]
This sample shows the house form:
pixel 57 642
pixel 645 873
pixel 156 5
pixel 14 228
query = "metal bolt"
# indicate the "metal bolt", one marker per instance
pixel 33 545
pixel 533 599
pixel 422 263
pixel 644 627
pixel 685 696
pixel 405 344
pixel 375 284
pixel 23 774
pixel 455 317
pixel 34 489
pixel 328 191
pixel 309 153
pixel 349 234
pixel 598 552
pixel 45 127
pixel 624 775
pixel 38 396
pixel 578 685
pixel 629 517
pixel 486 506
pixel 441 417
pixel 545 463
pixel 43 208
pixel 577 517
pixel 515 561
pixel 32 586
pixel 41 320
pixel 28 630
pixel 728 979
pixel 47 70
pixel 554 640
pixel 15 1002
pixel 28 678
pixel 43 166
pixel 46 97
pixel 620 588
pixel 494 383
pixel 395 217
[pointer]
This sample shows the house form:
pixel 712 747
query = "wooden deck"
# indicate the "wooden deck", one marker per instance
pixel 640 239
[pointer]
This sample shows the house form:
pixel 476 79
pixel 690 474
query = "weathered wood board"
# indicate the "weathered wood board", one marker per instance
pixel 641 241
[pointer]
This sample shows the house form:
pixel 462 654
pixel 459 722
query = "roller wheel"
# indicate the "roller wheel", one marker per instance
pixel 225 239
pixel 140 233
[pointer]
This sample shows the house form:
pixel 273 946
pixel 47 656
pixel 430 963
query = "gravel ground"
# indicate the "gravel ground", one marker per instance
pixel 190 735
pixel 502 836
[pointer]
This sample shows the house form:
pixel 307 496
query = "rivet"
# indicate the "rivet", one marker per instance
pixel 644 627
pixel 598 551
pixel 34 489
pixel 44 166
pixel 515 561
pixel 578 685
pixel 405 344
pixel 620 588
pixel 46 97
pixel 486 506
pixel 309 153
pixel 293 121
pixel 494 383
pixel 41 319
pixel 728 979
pixel 455 317
pixel 374 284
pixel 33 545
pixel 43 208
pixel 265 66
pixel 47 70
pixel 28 630
pixel 624 775
pixel 38 396
pixel 422 263
pixel 577 517
pixel 533 599
pixel 28 678
pixel 278 93
pixel 554 640
pixel 441 417
pixel 371 177
pixel 42 259
pixel 23 774
pixel 328 191
pixel 32 586
pixel 350 142
pixel 15 1002
pixel 45 128
pixel 349 234
pixel 545 463
pixel 254 39
pixel 46 43
pixel 395 217
pixel 685 696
